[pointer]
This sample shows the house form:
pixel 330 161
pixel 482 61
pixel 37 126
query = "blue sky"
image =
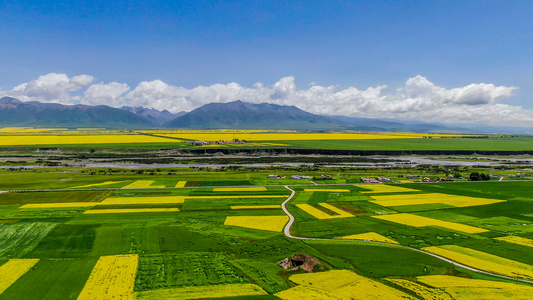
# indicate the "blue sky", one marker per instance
pixel 357 44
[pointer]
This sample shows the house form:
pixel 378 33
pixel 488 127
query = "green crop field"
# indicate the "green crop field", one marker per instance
pixel 202 229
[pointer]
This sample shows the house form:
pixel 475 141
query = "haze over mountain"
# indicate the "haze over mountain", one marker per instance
pixel 243 115
pixel 232 115
pixel 159 117
pixel 14 112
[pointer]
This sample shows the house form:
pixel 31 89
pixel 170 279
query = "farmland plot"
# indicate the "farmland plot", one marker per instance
pixel 419 221
pixel 464 288
pixel 113 277
pixel 203 292
pixel 484 261
pixel 185 269
pixel 339 284
pixel 18 239
pixel 13 270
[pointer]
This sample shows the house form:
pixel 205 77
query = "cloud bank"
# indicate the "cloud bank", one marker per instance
pixel 419 99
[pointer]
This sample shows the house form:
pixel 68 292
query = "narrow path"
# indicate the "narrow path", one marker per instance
pixel 287 232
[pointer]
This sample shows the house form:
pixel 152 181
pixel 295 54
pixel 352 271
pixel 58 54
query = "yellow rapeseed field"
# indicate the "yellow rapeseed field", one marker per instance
pixel 181 183
pixel 113 277
pixel 241 189
pixel 255 206
pixel 477 289
pixel 28 129
pixel 24 140
pixel 235 197
pixel 424 292
pixel 97 184
pixel 419 221
pixel 142 200
pixel 371 236
pixel 59 205
pixel 269 223
pixel 139 184
pixel 385 188
pixel 431 198
pixel 317 213
pixel 130 210
pixel 12 270
pixel 516 240
pixel 328 190
pixel 251 136
pixel 339 284
pixel 202 292
pixel 484 261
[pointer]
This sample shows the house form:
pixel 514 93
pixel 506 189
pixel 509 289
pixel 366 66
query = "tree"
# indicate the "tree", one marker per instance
pixel 474 176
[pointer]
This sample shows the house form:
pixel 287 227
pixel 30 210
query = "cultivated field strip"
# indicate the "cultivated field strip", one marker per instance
pixel 319 214
pixel 28 140
pixel 180 184
pixel 97 184
pixel 432 198
pixel 328 190
pixel 13 270
pixel 382 188
pixel 422 291
pixel 141 184
pixel 142 200
pixel 268 223
pixel 338 284
pixel 477 289
pixel 241 189
pixel 484 261
pixel 516 240
pixel 419 221
pixel 202 292
pixel 255 206
pixel 129 210
pixel 113 277
pixel 370 236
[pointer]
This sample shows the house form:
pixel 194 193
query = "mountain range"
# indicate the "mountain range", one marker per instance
pixel 232 115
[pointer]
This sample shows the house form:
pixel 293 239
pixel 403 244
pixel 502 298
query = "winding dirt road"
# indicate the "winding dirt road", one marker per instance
pixel 287 232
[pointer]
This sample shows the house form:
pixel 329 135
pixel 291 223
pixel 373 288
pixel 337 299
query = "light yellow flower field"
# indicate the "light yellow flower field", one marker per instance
pixel 13 270
pixel 476 289
pixel 241 189
pixel 181 183
pixel 142 184
pixel 97 184
pixel 371 236
pixel 113 277
pixel 419 221
pixel 432 198
pixel 255 206
pixel 317 213
pixel 421 291
pixel 384 188
pixel 516 240
pixel 269 223
pixel 129 210
pixel 338 284
pixel 25 140
pixel 202 292
pixel 328 190
pixel 484 261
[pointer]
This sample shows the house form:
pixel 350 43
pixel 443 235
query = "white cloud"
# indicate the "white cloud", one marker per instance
pixel 418 99
pixel 105 94
pixel 52 87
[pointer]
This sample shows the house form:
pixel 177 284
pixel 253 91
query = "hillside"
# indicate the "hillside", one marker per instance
pixel 14 112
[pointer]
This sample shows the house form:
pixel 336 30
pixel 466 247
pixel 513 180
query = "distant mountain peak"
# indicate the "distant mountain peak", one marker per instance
pixel 14 112
pixel 244 115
